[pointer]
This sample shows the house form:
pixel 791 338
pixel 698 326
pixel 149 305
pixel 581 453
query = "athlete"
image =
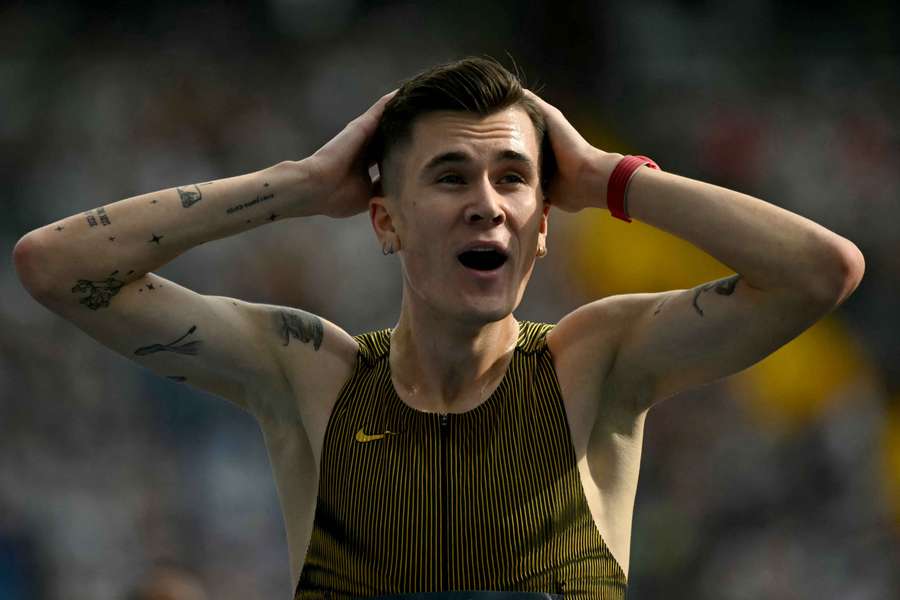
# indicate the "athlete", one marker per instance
pixel 461 449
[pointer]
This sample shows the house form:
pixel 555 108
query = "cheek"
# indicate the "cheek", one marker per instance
pixel 422 249
pixel 528 221
pixel 426 230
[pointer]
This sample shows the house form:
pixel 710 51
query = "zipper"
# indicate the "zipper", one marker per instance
pixel 445 418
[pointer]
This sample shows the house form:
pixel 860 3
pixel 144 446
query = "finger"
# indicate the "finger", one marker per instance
pixel 375 111
pixel 388 96
pixel 559 126
pixel 543 104
pixel 368 121
pixel 358 131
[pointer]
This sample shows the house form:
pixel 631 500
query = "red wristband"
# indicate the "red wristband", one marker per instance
pixel 618 184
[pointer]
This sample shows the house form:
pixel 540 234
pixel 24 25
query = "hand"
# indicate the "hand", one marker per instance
pixel 582 171
pixel 339 170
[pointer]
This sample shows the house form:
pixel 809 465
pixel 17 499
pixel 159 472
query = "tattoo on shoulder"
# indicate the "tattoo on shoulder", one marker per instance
pixel 99 293
pixel 192 347
pixel 723 287
pixel 300 325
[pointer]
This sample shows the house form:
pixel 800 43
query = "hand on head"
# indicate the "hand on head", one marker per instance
pixel 577 180
pixel 340 168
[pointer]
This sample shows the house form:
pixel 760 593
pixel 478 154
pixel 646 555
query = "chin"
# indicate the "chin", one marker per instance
pixel 486 311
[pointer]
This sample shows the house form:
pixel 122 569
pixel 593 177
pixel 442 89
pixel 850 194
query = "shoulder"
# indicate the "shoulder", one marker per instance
pixel 584 345
pixel 372 346
pixel 533 336
pixel 586 337
pixel 316 356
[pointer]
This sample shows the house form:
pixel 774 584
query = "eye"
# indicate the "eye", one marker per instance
pixel 450 178
pixel 515 177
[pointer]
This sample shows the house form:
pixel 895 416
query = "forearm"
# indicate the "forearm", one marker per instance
pixel 770 247
pixel 137 235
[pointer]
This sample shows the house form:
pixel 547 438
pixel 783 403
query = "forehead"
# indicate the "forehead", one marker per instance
pixel 442 131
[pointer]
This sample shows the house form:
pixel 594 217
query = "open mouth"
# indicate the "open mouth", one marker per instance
pixel 482 259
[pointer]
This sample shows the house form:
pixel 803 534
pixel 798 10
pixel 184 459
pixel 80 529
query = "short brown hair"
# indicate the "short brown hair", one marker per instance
pixel 476 85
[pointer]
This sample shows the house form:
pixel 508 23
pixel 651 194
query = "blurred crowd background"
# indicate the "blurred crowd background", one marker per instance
pixel 782 481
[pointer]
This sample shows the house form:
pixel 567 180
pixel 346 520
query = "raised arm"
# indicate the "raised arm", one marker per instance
pixel 95 269
pixel 790 272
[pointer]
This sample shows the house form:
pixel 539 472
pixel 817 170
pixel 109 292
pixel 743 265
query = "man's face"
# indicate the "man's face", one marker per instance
pixel 469 212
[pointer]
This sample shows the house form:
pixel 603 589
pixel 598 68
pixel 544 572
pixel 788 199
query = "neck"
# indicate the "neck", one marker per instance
pixel 439 364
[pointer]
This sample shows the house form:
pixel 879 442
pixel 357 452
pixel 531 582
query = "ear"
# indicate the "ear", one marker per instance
pixel 382 220
pixel 545 218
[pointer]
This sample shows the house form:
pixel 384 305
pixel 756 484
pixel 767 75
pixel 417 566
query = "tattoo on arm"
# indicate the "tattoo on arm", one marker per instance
pixel 259 198
pixel 661 304
pixel 190 197
pixel 300 325
pixel 99 293
pixel 191 348
pixel 100 214
pixel 723 287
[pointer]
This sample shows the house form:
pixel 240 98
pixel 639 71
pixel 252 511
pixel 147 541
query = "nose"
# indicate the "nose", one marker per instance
pixel 484 206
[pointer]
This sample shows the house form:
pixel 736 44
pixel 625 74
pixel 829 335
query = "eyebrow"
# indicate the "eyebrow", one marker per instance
pixel 456 157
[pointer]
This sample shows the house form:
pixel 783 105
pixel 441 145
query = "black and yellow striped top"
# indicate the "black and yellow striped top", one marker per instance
pixel 489 499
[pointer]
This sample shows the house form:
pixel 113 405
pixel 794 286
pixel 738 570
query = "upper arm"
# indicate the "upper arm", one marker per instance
pixel 249 354
pixel 664 343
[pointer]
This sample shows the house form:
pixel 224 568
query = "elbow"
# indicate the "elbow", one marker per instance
pixel 30 267
pixel 847 272
pixel 854 267
pixel 23 253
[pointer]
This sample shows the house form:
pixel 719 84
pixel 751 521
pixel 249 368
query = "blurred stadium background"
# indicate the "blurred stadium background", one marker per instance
pixel 780 482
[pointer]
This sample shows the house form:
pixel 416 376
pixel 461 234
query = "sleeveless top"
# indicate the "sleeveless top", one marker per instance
pixel 488 499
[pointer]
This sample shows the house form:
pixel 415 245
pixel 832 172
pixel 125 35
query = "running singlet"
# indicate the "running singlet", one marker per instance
pixel 489 499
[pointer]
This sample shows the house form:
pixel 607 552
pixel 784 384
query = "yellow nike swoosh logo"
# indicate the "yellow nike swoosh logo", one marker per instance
pixel 361 436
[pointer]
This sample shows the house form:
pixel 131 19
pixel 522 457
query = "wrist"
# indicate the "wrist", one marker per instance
pixel 294 179
pixel 602 166
pixel 619 180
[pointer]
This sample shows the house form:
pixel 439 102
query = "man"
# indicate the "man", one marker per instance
pixel 462 449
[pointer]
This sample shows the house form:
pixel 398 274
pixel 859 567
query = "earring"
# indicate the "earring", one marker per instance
pixel 542 251
pixel 387 249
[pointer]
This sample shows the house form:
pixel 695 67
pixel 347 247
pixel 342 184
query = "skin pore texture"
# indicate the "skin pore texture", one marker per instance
pixel 465 179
